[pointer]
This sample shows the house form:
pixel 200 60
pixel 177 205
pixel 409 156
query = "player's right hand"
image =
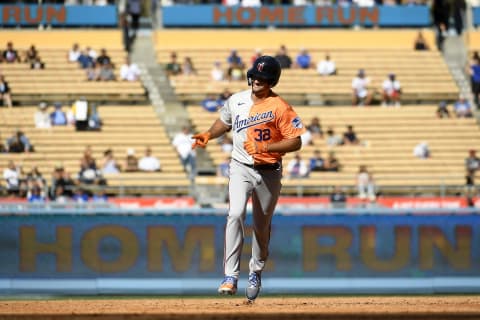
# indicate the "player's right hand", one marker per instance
pixel 201 139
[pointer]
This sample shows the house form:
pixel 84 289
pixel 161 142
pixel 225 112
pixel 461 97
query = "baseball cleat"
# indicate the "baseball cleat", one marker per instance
pixel 254 285
pixel 228 286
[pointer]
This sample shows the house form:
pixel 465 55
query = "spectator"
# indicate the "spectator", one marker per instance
pixel 333 139
pixel 61 184
pixel 472 165
pixel 104 58
pixel 315 128
pixel 338 198
pixel 12 175
pixel 109 164
pixel 88 158
pixel 106 72
pixel 350 137
pixel 129 71
pixel 441 14
pixel 99 196
pixel 326 67
pixel 210 103
pixel 462 108
pixel 80 196
pixel 10 55
pixel 235 72
pixel 391 91
pixel 94 121
pixel 283 58
pixel 257 54
pixel 31 54
pixel 307 138
pixel 420 43
pixel 41 117
pixel 474 71
pixel 85 60
pixel 58 117
pixel 362 94
pixel 458 13
pixel 224 96
pixel 134 9
pixel 365 184
pixel 173 68
pixel 36 177
pixel 442 110
pixel 131 161
pixel 332 164
pixel 36 195
pixel 149 162
pixel 5 92
pixel 88 175
pixel 234 59
pixel 74 53
pixel 80 114
pixel 18 143
pixel 223 169
pixel 37 64
pixel 217 73
pixel 183 143
pixel 317 163
pixel 297 168
pixel 188 68
pixel 421 150
pixel 92 53
pixel 304 60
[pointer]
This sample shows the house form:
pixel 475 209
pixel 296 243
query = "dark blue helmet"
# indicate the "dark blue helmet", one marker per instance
pixel 265 67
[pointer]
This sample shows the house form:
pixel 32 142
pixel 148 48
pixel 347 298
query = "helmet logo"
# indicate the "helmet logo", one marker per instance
pixel 260 66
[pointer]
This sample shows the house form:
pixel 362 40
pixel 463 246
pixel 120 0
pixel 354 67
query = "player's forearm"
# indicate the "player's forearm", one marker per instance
pixel 287 145
pixel 217 129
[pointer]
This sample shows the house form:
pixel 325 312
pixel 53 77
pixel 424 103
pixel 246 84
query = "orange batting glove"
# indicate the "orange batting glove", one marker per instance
pixel 201 139
pixel 253 147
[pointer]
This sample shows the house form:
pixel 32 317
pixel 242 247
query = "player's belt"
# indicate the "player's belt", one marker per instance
pixel 263 166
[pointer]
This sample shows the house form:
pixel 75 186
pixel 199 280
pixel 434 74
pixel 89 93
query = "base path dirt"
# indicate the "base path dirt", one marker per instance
pixel 225 308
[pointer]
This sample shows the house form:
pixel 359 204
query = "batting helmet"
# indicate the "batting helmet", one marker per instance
pixel 265 67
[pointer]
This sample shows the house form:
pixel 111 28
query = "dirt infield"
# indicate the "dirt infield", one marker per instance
pixel 351 308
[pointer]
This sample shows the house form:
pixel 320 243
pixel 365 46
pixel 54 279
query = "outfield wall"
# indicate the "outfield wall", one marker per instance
pixel 180 251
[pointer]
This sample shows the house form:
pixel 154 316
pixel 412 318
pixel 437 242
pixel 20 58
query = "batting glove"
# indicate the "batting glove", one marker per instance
pixel 201 140
pixel 253 147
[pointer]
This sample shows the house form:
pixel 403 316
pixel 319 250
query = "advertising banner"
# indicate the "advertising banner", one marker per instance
pixel 58 15
pixel 349 245
pixel 295 16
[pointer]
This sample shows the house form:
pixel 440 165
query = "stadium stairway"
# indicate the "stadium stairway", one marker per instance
pixel 455 55
pixel 161 94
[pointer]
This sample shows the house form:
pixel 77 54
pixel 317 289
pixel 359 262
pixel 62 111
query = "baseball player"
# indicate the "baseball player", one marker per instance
pixel 264 127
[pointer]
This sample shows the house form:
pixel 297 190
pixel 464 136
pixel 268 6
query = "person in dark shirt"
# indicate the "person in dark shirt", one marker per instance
pixel 103 58
pixel 350 137
pixel 338 198
pixel 10 55
pixel 283 58
pixel 420 43
pixel 317 163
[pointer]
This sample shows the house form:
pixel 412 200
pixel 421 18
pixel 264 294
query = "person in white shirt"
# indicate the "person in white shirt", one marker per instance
pixel 326 67
pixel 421 150
pixel 149 162
pixel 361 92
pixel 391 91
pixel 74 53
pixel 217 73
pixel 365 184
pixel 129 71
pixel 11 175
pixel 183 143
pixel 297 167
pixel 42 117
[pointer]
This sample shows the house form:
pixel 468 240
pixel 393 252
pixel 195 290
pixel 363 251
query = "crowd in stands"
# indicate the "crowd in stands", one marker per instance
pixel 100 67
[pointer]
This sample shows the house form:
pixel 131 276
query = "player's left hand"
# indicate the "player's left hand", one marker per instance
pixel 253 147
